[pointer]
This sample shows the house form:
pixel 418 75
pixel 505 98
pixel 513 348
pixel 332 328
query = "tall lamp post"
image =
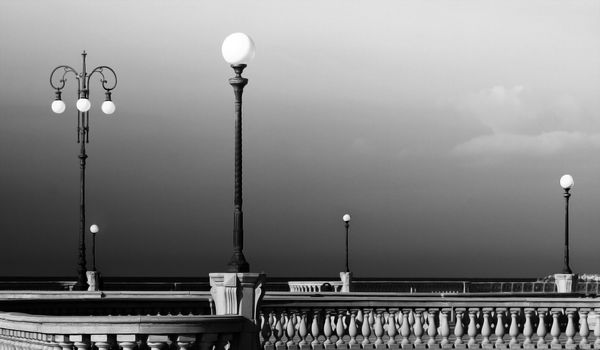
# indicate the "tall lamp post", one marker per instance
pixel 108 80
pixel 346 219
pixel 238 49
pixel 566 182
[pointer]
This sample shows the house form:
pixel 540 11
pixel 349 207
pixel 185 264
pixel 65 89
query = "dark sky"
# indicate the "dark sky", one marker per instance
pixel 442 127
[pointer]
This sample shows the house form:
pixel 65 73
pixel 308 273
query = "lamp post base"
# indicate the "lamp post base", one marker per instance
pixel 564 282
pixel 93 281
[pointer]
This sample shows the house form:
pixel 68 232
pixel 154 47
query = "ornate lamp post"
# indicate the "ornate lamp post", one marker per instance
pixel 238 49
pixel 566 182
pixel 346 219
pixel 58 81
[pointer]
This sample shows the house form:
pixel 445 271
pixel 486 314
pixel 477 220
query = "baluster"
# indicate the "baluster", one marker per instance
pixel 353 329
pixel 291 331
pixel 157 342
pixel 392 329
pixel 444 328
pixel 366 329
pixel 472 331
pixel 79 342
pixel 431 329
pixel 555 330
pixel 418 328
pixel 278 331
pixel 584 330
pixel 303 331
pixel 66 344
pixel 339 330
pixel 514 328
pixel 127 341
pixel 378 328
pixel 500 330
pixel 314 330
pixel 528 329
pixel 459 330
pixel 327 329
pixel 100 341
pixel 405 328
pixel 265 330
pixel 185 341
pixel 570 330
pixel 541 329
pixel 486 329
pixel 597 329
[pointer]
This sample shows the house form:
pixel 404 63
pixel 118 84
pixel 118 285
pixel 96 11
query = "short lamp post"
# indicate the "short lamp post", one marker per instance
pixel 346 219
pixel 93 276
pixel 346 276
pixel 93 230
pixel 238 49
pixel 566 182
pixel 108 80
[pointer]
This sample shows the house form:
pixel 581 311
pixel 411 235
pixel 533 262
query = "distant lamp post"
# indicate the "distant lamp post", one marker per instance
pixel 94 229
pixel 566 182
pixel 58 81
pixel 238 49
pixel 346 219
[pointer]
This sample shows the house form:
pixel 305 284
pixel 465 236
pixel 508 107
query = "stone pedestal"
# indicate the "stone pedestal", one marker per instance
pixel 237 293
pixel 564 282
pixel 346 278
pixel 93 281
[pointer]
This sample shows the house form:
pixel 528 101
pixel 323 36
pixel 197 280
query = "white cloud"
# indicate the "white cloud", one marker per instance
pixel 521 122
pixel 547 143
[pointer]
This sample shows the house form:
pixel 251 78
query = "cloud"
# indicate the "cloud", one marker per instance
pixel 543 144
pixel 523 122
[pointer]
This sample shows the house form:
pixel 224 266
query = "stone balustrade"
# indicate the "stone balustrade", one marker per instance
pixel 115 303
pixel 38 332
pixel 313 286
pixel 363 321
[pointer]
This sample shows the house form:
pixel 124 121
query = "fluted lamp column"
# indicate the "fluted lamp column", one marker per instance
pixel 238 49
pixel 108 80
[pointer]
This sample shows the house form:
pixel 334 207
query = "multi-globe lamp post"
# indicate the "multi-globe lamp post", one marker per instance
pixel 566 182
pixel 108 80
pixel 238 49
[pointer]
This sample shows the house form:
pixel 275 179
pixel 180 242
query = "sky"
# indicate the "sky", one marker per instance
pixel 442 127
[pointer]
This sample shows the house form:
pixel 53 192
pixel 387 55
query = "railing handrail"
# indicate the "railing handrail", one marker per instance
pixel 122 324
pixel 113 295
pixel 351 300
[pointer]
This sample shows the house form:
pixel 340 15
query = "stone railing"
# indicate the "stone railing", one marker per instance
pixel 313 286
pixel 115 303
pixel 38 332
pixel 377 321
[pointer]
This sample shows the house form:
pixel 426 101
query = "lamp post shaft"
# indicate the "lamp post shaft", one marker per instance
pixel 238 262
pixel 347 224
pixel 93 252
pixel 82 138
pixel 567 268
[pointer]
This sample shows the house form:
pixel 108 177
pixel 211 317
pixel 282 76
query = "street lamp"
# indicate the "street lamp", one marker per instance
pixel 346 219
pixel 94 229
pixel 566 182
pixel 58 81
pixel 238 49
